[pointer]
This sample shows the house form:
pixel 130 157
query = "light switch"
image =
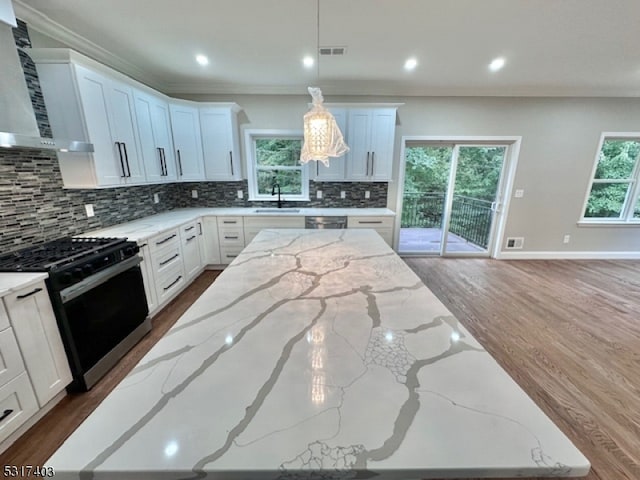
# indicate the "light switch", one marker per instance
pixel 240 194
pixel 519 193
pixel 367 194
pixel 319 194
pixel 194 193
pixel 156 198
pixel 343 194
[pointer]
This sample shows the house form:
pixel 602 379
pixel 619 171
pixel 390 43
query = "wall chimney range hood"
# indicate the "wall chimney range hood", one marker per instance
pixel 18 126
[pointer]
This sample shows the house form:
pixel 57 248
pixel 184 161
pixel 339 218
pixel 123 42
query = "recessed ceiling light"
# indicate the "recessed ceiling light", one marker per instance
pixel 202 60
pixel 308 61
pixel 410 64
pixel 496 64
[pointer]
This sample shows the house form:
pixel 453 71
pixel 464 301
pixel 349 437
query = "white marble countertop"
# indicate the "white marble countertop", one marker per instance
pixel 12 281
pixel 314 354
pixel 144 228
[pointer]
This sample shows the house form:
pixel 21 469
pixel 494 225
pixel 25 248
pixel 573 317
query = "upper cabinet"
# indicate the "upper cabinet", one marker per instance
pixel 154 131
pixel 220 142
pixel 371 135
pixel 187 141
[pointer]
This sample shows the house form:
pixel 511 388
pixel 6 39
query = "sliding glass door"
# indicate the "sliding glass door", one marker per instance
pixel 450 199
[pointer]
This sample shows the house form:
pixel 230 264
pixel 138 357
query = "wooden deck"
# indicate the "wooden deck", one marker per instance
pixel 427 240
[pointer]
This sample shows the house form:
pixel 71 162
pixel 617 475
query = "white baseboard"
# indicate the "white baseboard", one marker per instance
pixel 568 255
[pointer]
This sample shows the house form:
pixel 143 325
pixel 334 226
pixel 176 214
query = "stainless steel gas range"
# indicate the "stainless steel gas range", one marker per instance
pixel 96 289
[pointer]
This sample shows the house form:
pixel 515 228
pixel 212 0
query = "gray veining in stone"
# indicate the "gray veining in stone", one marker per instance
pixel 317 354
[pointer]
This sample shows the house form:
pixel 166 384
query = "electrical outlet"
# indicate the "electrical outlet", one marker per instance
pixel 566 239
pixel 89 209
pixel 156 198
pixel 194 193
pixel 319 194
pixel 515 242
pixel 367 194
pixel 240 194
pixel 343 194
pixel 519 193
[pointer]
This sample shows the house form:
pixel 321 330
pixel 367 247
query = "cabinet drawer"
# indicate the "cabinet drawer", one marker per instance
pixel 230 221
pixel 231 237
pixel 11 364
pixel 164 240
pixel 165 258
pixel 228 254
pixel 17 404
pixel 370 222
pixel 169 282
pixel 188 231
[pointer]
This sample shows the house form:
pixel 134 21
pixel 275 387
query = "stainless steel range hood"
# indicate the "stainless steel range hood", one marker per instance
pixel 18 126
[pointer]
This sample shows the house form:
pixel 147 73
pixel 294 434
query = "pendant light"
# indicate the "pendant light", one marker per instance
pixel 322 136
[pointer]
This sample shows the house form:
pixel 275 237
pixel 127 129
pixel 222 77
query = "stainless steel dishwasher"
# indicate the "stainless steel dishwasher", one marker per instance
pixel 325 222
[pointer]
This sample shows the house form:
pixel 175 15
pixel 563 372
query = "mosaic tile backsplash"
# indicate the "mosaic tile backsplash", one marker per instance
pixel 35 208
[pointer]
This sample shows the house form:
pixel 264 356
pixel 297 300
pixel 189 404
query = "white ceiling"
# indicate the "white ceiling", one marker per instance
pixel 551 47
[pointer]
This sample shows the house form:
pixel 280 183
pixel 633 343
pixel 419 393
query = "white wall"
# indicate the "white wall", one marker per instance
pixel 559 141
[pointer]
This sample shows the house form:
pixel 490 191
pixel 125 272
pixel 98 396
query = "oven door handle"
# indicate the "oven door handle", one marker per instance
pixel 74 291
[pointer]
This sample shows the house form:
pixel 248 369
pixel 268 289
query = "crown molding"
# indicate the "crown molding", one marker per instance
pixel 40 22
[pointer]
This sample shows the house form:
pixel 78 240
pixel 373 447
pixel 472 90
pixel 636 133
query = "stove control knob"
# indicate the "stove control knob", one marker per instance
pixel 129 251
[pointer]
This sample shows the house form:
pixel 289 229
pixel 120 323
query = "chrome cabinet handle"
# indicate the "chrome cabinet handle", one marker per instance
pixel 230 238
pixel 172 283
pixel 169 259
pixel 32 292
pixel 367 173
pixel 363 222
pixel 230 221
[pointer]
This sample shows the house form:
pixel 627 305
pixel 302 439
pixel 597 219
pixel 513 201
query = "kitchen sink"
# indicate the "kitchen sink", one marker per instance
pixel 277 210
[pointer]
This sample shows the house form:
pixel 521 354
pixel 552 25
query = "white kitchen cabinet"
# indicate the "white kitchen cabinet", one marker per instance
pixel 36 331
pixel 381 224
pixel 210 246
pixel 187 141
pixel 190 239
pixel 83 104
pixel 147 277
pixel 371 135
pixel 231 238
pixel 17 404
pixel 11 364
pixel 220 142
pixel 167 265
pixel 154 131
pixel 336 170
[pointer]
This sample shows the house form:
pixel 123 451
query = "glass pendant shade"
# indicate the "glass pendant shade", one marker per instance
pixel 322 136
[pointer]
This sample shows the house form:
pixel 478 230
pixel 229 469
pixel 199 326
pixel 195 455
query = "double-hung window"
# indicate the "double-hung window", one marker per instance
pixel 274 162
pixel 614 195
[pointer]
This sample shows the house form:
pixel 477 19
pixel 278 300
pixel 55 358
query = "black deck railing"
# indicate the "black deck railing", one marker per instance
pixel 470 217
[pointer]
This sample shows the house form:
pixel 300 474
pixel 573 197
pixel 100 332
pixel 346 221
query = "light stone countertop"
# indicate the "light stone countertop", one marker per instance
pixel 13 281
pixel 144 228
pixel 314 354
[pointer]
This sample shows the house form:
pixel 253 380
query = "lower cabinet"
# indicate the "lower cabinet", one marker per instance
pixel 147 277
pixel 209 244
pixel 382 224
pixel 231 238
pixel 190 239
pixel 17 404
pixel 253 225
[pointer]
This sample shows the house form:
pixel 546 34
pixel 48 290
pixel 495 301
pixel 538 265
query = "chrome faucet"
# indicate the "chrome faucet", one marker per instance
pixel 273 192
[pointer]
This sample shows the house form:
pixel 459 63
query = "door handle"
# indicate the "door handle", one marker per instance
pixel 124 172
pixel 32 292
pixel 179 161
pixel 367 172
pixel 126 159
pixel 373 159
pixel 5 414
pixel 231 162
pixel 161 163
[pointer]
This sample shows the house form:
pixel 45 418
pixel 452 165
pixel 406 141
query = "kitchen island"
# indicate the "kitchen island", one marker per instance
pixel 317 354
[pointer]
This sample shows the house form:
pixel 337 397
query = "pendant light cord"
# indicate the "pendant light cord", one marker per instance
pixel 318 39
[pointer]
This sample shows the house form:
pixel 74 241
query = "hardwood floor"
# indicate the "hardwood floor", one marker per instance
pixel 567 331
pixel 46 436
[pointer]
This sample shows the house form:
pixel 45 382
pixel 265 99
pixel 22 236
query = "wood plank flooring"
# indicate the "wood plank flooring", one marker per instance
pixel 567 331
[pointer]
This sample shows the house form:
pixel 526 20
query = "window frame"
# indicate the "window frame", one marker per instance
pixel 633 192
pixel 250 136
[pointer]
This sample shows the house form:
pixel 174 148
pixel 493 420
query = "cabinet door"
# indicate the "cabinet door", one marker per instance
pixel 221 159
pixel 10 359
pixel 151 153
pixel 359 155
pixel 124 130
pixel 383 129
pixel 147 278
pixel 210 245
pixel 189 238
pixel 187 142
pixel 335 172
pixel 109 166
pixel 161 125
pixel 36 330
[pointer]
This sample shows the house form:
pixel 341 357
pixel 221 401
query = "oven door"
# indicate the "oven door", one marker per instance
pixel 103 317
